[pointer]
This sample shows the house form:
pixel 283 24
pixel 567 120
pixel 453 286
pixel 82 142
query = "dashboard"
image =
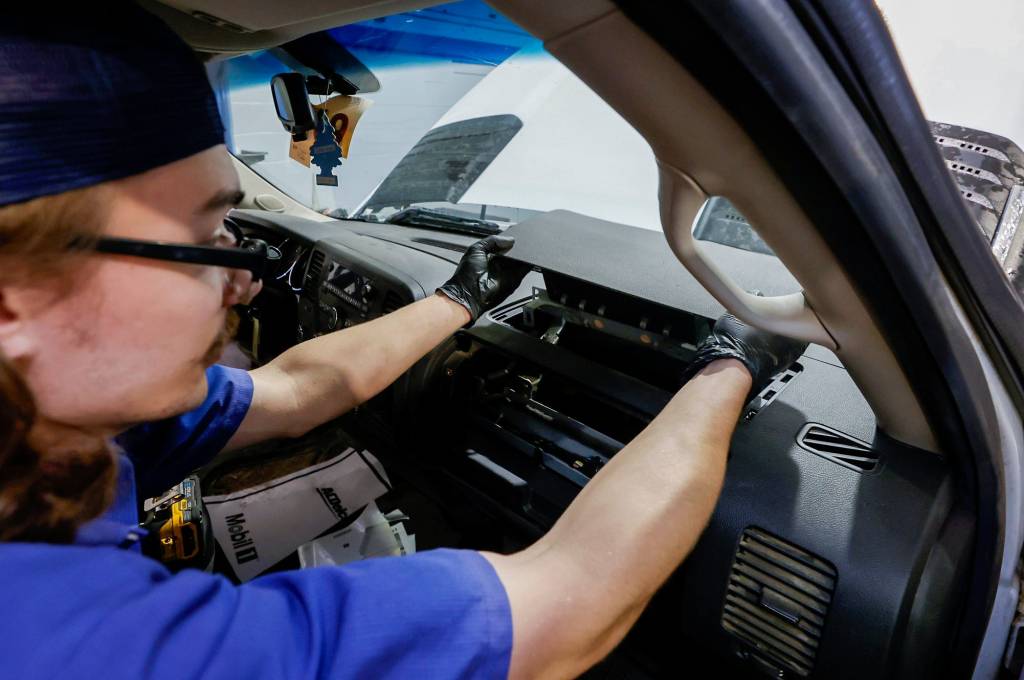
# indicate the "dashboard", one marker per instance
pixel 802 571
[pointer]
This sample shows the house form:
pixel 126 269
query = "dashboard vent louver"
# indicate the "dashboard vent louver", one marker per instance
pixel 838 447
pixel 776 602
pixel 218 22
pixel 772 391
pixel 316 265
pixel 392 301
pixel 437 243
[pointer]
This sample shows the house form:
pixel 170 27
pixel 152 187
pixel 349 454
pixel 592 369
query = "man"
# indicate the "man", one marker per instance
pixel 110 148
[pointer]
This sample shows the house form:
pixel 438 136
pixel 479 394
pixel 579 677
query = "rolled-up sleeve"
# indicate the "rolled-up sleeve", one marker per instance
pixel 437 614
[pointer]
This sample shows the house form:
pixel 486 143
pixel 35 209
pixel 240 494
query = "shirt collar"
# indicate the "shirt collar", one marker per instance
pixel 119 525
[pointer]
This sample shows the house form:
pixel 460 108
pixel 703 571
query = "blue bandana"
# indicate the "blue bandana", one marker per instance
pixel 96 93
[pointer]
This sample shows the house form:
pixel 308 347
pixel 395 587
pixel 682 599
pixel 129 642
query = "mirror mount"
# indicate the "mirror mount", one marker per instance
pixel 291 101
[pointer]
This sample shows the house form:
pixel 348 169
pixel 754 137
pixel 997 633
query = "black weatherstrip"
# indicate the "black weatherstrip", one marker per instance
pixel 871 71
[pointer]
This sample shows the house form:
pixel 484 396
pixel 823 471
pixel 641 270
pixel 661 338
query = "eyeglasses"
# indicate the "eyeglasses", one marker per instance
pixel 250 253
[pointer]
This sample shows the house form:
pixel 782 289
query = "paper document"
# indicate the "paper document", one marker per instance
pixel 372 535
pixel 259 526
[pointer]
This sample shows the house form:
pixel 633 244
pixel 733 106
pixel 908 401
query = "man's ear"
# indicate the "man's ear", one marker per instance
pixel 15 340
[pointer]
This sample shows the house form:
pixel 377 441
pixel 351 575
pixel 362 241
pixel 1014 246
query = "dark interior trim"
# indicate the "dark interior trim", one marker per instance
pixel 742 56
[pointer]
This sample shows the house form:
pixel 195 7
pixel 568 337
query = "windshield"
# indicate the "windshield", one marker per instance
pixel 458 111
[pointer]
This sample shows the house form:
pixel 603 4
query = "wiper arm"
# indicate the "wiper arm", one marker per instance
pixel 435 219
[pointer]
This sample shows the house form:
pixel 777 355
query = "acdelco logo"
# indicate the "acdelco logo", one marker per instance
pixel 330 498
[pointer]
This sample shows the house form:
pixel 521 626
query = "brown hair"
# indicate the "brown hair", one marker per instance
pixel 52 479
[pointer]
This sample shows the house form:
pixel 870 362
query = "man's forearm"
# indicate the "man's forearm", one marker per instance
pixel 333 373
pixel 322 378
pixel 626 532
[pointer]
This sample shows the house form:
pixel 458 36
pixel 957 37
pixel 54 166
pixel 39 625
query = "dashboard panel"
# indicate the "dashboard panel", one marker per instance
pixel 343 289
pixel 344 286
pixel 339 276
pixel 548 387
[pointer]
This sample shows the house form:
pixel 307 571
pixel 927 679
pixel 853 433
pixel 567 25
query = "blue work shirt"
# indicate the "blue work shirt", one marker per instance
pixel 99 608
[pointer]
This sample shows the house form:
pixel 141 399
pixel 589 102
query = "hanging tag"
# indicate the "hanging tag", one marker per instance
pixel 344 112
pixel 326 152
pixel 299 151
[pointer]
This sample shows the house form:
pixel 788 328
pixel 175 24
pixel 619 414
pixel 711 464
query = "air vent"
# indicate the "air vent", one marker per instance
pixel 316 265
pixel 218 22
pixel 772 390
pixel 837 447
pixel 776 603
pixel 502 314
pixel 437 243
pixel 392 301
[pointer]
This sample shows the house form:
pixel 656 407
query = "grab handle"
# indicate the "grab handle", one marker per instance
pixel 681 201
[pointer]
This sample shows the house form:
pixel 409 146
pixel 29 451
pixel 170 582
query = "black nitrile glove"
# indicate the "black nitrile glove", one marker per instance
pixel 483 280
pixel 764 354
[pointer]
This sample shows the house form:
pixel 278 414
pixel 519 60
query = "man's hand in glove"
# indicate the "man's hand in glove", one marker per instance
pixel 762 353
pixel 483 280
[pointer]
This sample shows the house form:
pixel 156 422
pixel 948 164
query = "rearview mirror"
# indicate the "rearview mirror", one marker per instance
pixel 291 100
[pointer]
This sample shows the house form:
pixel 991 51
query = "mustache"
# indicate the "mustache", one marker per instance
pixel 224 336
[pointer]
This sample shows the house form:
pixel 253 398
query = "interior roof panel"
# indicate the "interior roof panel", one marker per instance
pixel 255 25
